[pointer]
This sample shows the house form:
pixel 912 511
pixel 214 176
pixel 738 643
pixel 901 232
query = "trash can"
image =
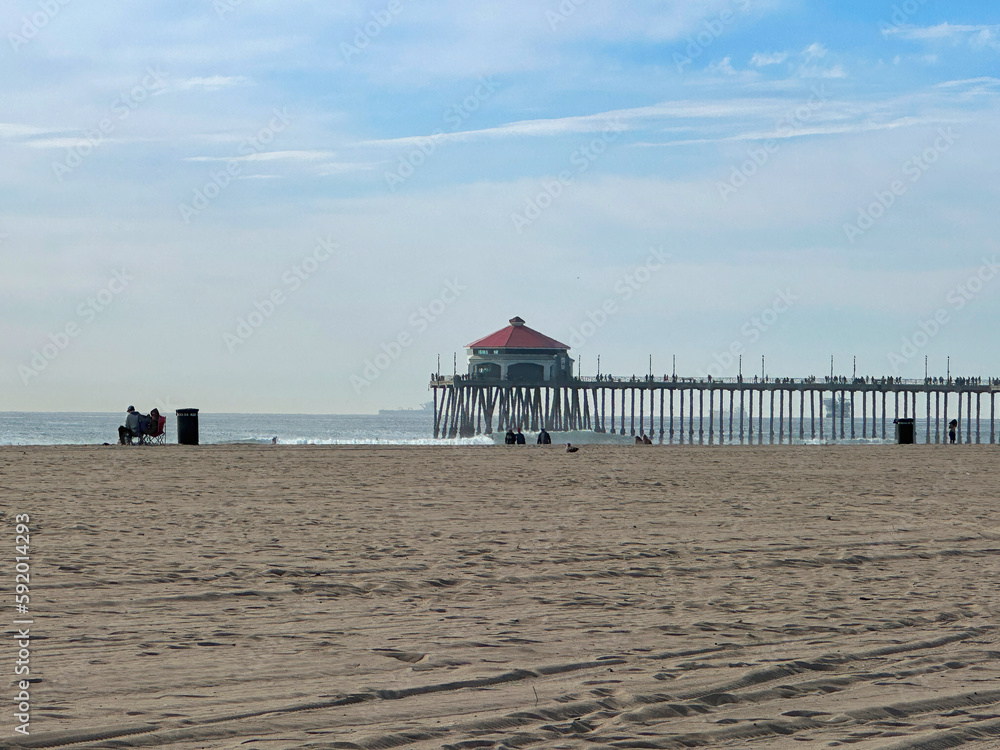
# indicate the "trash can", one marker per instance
pixel 187 427
pixel 906 430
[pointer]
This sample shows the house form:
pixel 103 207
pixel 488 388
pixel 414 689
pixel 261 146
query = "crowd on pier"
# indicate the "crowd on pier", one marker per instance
pixel 757 379
pixel 828 379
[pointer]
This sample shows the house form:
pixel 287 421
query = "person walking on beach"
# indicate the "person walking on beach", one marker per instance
pixel 952 430
pixel 544 438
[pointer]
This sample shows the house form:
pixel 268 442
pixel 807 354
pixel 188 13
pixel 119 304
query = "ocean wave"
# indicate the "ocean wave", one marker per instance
pixel 477 440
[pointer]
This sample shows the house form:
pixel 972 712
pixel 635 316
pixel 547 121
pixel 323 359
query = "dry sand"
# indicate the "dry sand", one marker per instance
pixel 639 597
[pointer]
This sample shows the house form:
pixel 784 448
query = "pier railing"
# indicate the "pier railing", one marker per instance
pixel 721 410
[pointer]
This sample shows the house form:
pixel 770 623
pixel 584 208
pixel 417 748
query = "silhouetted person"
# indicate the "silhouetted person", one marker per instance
pixel 519 437
pixel 510 439
pixel 952 430
pixel 544 438
pixel 130 429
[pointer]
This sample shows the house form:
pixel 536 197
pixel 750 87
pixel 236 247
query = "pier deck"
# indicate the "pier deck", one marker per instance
pixel 718 411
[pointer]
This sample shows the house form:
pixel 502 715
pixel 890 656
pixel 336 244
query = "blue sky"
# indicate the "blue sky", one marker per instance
pixel 297 207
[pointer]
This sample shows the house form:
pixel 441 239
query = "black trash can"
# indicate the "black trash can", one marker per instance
pixel 187 427
pixel 906 430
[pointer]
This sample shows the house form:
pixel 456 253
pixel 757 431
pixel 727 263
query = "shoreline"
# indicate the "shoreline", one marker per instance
pixel 556 446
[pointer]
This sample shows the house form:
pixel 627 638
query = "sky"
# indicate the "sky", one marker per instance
pixel 301 207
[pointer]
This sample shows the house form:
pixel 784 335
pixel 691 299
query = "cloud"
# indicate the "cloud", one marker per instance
pixel 814 51
pixel 737 119
pixel 811 68
pixel 803 131
pixel 209 83
pixel 814 71
pixel 985 38
pixel 981 36
pixel 761 59
pixel 625 119
pixel 983 81
pixel 16 130
pixel 269 156
pixel 724 66
pixel 332 169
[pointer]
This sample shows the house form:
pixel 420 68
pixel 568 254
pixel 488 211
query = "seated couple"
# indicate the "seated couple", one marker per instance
pixel 141 426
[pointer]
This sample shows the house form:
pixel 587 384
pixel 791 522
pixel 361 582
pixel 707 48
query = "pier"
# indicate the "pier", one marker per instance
pixel 676 410
pixel 519 378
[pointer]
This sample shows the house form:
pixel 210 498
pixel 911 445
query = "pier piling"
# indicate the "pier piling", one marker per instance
pixel 466 406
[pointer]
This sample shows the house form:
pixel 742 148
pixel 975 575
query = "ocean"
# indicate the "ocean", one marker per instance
pixel 393 428
pixel 79 428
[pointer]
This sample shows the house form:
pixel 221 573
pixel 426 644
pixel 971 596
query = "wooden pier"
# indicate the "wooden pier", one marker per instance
pixel 721 411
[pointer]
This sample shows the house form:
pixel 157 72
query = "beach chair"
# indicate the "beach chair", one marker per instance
pixel 157 434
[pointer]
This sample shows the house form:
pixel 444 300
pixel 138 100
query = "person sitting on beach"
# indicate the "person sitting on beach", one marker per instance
pixel 510 439
pixel 131 427
pixel 646 440
pixel 519 437
pixel 544 438
pixel 145 425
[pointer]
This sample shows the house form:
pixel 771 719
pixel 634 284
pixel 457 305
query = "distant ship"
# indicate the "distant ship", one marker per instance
pixel 427 408
pixel 828 408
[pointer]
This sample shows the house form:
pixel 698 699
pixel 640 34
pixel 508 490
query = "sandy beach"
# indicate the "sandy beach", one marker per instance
pixel 640 597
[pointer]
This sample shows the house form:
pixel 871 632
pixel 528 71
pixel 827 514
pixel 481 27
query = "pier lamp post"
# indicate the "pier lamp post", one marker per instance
pixel 763 377
pixel 598 365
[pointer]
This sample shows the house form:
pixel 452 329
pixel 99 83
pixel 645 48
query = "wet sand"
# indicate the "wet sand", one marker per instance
pixel 620 597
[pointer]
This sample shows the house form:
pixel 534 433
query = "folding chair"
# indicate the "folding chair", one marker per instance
pixel 157 435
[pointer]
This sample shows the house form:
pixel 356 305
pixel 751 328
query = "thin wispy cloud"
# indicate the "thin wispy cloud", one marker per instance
pixel 267 156
pixel 762 59
pixel 625 119
pixel 723 67
pixel 977 36
pixel 814 51
pixel 778 134
pixel 207 83
pixel 15 130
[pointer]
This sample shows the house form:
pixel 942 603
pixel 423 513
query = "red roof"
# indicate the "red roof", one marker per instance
pixel 517 336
